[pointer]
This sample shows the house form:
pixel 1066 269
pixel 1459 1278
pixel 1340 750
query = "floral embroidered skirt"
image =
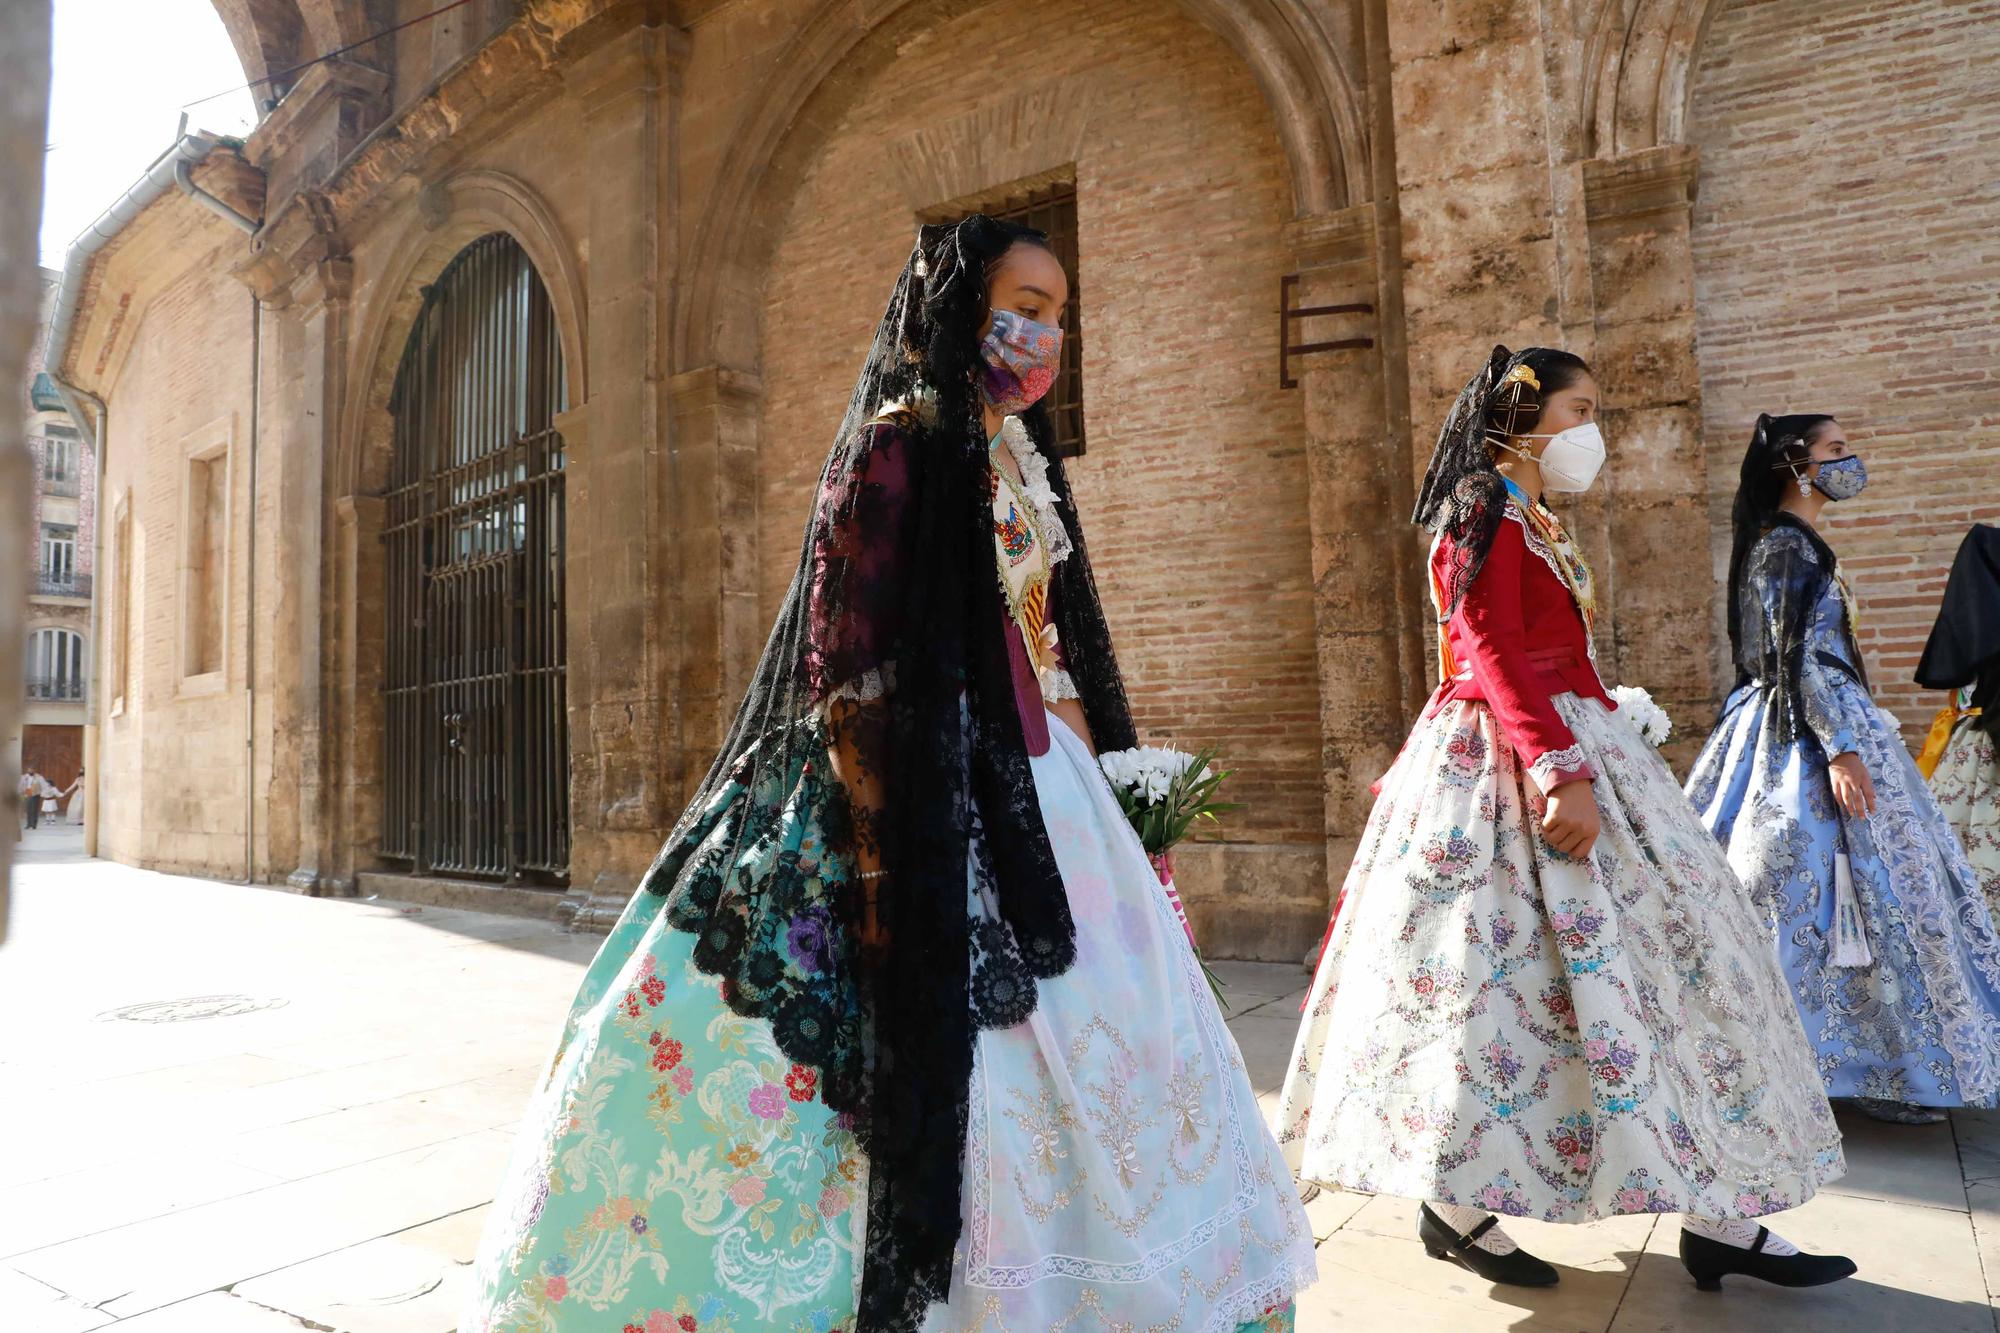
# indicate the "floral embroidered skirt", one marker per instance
pixel 1966 783
pixel 1921 1022
pixel 675 1171
pixel 1499 1025
pixel 1118 1171
pixel 676 1174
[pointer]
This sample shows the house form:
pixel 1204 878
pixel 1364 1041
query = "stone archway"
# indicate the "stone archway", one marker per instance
pixel 271 36
pixel 1639 57
pixel 1297 61
pixel 1338 690
pixel 444 220
pixel 447 217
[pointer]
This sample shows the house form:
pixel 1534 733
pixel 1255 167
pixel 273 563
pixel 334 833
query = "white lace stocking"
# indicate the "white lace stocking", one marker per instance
pixel 1740 1232
pixel 1461 1220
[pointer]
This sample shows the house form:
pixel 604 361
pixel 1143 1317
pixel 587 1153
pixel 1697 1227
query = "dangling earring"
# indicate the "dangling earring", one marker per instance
pixel 1805 487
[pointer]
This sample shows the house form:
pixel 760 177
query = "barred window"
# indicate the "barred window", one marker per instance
pixel 58 554
pixel 55 665
pixel 58 458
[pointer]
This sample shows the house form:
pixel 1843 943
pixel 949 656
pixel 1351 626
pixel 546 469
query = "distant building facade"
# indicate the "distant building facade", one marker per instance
pixel 63 531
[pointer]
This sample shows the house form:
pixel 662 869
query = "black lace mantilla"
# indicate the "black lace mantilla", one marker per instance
pixel 1776 591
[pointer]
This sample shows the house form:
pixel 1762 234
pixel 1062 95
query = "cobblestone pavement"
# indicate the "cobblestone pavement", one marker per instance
pixel 229 1109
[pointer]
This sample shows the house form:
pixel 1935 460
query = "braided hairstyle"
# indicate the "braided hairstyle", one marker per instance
pixel 1464 497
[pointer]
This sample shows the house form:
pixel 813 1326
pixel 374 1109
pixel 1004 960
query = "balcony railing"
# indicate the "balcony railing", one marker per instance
pixel 69 585
pixel 55 689
pixel 59 486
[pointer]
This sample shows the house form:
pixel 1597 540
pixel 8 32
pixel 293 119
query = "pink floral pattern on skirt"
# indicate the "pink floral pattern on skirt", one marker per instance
pixel 1499 1025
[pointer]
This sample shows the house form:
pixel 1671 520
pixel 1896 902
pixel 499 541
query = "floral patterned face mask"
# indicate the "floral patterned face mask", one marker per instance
pixel 1021 361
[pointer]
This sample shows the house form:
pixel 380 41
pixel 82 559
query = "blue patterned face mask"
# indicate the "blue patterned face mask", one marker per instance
pixel 1842 479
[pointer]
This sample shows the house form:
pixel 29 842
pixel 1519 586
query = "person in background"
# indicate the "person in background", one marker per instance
pixel 30 791
pixel 1885 938
pixel 74 794
pixel 1962 756
pixel 1546 995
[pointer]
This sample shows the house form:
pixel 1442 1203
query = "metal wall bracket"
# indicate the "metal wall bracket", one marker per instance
pixel 1288 314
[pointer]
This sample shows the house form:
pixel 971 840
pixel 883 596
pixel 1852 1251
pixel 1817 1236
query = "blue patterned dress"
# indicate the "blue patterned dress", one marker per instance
pixel 1919 1022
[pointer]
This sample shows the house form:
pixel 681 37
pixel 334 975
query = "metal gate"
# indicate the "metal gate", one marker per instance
pixel 476 753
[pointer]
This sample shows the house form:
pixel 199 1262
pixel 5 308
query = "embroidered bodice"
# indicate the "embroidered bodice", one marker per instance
pixel 1028 541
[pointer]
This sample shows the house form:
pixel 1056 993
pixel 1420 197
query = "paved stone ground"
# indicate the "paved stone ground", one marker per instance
pixel 322 1160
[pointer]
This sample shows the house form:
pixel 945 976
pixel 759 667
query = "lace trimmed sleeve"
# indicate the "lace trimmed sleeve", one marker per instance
pixel 1785 579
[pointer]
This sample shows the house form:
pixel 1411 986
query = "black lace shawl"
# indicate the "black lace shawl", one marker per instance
pixel 1964 647
pixel 1464 496
pixel 1774 591
pixel 894 627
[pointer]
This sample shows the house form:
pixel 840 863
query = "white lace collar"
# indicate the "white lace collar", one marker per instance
pixel 1035 485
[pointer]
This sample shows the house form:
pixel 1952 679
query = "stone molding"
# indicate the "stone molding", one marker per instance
pixel 333 104
pixel 1301 66
pixel 1639 60
pixel 1033 134
pixel 1641 184
pixel 714 386
pixel 447 125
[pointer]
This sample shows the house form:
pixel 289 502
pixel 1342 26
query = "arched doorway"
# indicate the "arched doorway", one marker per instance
pixel 476 751
pixel 1193 482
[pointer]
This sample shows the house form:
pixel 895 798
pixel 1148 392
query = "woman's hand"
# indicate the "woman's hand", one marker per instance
pixel 1569 819
pixel 1853 789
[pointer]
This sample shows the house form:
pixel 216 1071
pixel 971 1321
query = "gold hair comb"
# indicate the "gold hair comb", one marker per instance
pixel 1523 374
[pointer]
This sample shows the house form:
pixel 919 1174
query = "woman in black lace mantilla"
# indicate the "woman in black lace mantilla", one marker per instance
pixel 967 1064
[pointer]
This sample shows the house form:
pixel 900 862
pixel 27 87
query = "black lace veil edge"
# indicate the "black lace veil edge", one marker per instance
pixel 1464 498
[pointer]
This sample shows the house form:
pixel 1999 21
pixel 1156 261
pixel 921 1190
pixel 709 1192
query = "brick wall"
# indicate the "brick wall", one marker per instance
pixel 173 775
pixel 1193 492
pixel 1845 262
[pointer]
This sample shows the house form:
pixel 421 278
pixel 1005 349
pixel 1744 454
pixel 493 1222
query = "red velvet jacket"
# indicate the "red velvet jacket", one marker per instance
pixel 868 528
pixel 1517 639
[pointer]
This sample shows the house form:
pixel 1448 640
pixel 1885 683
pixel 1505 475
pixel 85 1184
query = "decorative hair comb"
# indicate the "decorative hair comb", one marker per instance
pixel 1523 374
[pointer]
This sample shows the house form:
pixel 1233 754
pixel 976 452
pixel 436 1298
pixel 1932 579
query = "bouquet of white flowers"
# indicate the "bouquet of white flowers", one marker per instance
pixel 1647 717
pixel 1165 793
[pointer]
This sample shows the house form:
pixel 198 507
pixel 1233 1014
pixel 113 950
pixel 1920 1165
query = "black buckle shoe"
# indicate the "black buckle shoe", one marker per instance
pixel 1709 1261
pixel 1519 1269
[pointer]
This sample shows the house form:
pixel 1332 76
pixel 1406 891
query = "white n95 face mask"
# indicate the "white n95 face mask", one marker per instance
pixel 1572 458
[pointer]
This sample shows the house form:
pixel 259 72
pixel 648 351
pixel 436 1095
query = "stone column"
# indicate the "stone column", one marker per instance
pixel 318 312
pixel 1482 257
pixel 24 52
pixel 716 413
pixel 359 572
pixel 1638 208
pixel 1360 544
pixel 617 485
